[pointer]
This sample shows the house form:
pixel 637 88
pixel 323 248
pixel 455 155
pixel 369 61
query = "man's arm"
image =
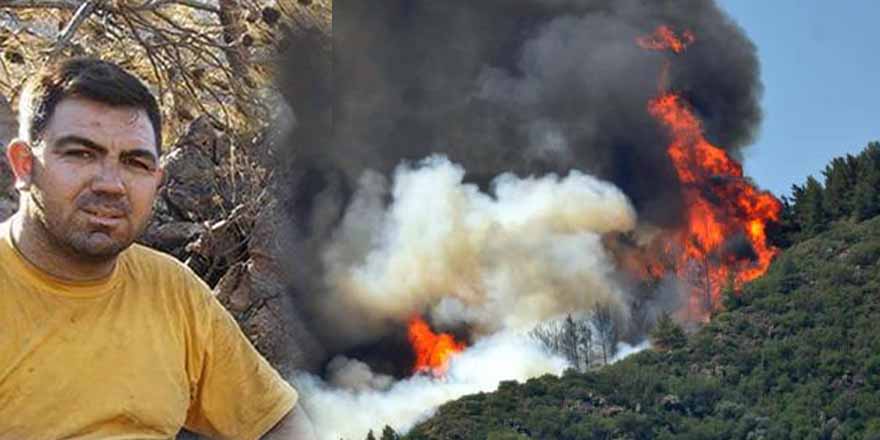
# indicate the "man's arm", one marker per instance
pixel 294 426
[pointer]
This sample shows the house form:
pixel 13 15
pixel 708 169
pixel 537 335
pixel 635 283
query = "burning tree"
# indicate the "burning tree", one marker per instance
pixel 724 235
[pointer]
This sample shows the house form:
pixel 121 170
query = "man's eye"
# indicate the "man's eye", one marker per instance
pixel 139 164
pixel 80 154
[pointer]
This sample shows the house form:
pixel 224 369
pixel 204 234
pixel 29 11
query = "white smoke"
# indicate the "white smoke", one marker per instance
pixel 498 263
pixel 355 400
pixel 625 350
pixel 528 251
pixel 354 375
pixel 366 401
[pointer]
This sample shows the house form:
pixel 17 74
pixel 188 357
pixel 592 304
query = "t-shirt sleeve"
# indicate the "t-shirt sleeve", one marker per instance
pixel 234 392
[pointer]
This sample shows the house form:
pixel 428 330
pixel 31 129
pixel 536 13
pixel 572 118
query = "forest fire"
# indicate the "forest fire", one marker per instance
pixel 506 182
pixel 723 207
pixel 433 350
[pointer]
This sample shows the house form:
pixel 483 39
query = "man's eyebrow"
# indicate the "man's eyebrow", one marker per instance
pixel 79 140
pixel 92 145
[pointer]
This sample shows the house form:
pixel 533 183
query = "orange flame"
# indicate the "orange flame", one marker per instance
pixel 665 39
pixel 721 203
pixel 433 351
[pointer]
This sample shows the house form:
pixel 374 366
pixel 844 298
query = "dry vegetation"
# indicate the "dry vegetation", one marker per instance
pixel 201 57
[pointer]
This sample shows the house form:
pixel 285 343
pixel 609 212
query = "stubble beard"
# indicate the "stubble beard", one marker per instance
pixel 76 238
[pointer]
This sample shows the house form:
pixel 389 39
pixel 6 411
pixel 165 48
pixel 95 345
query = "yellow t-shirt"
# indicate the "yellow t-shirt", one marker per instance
pixel 134 356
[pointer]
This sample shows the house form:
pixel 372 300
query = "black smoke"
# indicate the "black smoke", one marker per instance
pixel 529 86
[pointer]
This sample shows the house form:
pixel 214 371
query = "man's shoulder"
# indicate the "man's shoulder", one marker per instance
pixel 155 263
pixel 142 254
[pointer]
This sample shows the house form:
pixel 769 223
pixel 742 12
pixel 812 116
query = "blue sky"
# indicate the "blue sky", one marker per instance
pixel 820 65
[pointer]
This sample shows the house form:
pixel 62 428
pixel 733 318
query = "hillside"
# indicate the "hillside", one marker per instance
pixel 796 355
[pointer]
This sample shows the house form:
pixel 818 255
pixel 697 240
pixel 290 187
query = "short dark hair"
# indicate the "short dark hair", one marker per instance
pixel 88 78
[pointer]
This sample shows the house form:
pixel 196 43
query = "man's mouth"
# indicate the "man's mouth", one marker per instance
pixel 105 212
pixel 105 216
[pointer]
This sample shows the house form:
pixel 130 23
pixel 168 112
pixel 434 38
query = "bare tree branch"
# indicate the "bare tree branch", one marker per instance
pixel 185 32
pixel 155 4
pixel 149 52
pixel 52 4
pixel 173 53
pixel 79 17
pixel 74 4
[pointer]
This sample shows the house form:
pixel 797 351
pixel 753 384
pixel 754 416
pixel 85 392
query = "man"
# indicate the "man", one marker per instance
pixel 100 337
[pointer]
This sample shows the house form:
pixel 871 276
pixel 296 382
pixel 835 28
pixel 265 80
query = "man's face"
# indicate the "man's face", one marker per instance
pixel 95 176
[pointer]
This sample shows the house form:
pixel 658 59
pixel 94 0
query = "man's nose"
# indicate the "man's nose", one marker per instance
pixel 109 179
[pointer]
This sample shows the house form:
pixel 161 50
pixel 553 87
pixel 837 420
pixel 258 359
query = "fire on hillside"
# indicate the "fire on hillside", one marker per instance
pixel 721 244
pixel 724 233
pixel 433 350
pixel 520 199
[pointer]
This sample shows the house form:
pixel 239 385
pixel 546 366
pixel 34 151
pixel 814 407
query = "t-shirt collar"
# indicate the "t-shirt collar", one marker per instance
pixel 14 261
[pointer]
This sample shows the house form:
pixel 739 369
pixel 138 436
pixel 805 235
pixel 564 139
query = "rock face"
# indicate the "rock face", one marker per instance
pixel 8 128
pixel 8 195
pixel 8 124
pixel 226 227
pixel 257 294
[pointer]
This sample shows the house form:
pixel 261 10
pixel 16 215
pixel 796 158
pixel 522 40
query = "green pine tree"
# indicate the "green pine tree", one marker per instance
pixel 840 182
pixel 810 208
pixel 786 231
pixel 866 199
pixel 667 334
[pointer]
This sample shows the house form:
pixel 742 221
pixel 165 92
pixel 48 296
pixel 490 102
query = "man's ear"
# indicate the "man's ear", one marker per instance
pixel 21 160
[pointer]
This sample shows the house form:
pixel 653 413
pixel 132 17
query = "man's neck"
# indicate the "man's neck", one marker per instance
pixel 33 243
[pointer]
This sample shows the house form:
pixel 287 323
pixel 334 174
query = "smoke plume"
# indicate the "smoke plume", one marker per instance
pixel 467 159
pixel 523 87
pixel 528 251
